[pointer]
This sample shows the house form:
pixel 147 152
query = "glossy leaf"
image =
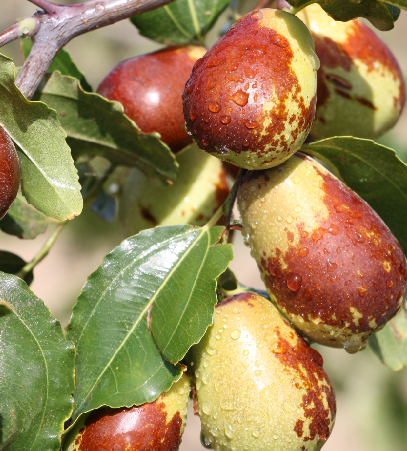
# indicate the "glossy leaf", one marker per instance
pixel 11 264
pixel 373 10
pixel 180 22
pixel 23 220
pixel 394 11
pixel 36 371
pixel 63 63
pixel 49 177
pixel 390 344
pixel 374 171
pixel 118 362
pixel 96 126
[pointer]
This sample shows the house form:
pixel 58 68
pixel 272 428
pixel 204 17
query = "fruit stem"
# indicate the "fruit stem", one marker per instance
pixel 230 201
pixel 90 195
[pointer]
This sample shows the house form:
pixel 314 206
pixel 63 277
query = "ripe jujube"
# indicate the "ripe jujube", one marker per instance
pixel 150 88
pixel 259 386
pixel 9 172
pixel 250 100
pixel 328 261
pixel 361 91
pixel 156 426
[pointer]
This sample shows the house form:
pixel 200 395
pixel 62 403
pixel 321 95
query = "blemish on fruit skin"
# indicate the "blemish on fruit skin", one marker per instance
pixel 247 52
pixel 139 428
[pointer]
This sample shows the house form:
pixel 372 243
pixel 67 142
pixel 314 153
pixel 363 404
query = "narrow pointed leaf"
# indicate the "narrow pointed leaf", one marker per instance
pixel 180 22
pixel 184 306
pixel 390 344
pixel 63 63
pixel 374 171
pixel 49 177
pixel 399 3
pixel 23 220
pixel 36 371
pixel 394 11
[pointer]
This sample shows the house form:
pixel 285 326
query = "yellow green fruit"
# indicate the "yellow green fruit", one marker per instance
pixel 193 198
pixel 328 261
pixel 250 100
pixel 259 386
pixel 361 91
pixel 154 426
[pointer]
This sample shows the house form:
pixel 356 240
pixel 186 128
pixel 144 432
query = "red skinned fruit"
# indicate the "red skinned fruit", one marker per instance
pixel 9 172
pixel 150 88
pixel 328 261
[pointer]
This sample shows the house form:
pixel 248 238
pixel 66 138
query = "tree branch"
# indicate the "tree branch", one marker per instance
pixel 54 28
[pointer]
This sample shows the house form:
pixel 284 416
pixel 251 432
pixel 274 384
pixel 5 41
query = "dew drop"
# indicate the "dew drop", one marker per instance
pixel 362 291
pixel 205 142
pixel 214 107
pixel 280 218
pixel 235 334
pixel 303 252
pixel 229 431
pixel 235 310
pixel 250 124
pixel 298 208
pixel 246 352
pixel 217 337
pixel 289 219
pixel 275 437
pixel 206 408
pixel 225 119
pixel 245 142
pixel 205 442
pixel 294 281
pixel 211 351
pixel 257 15
pixel 257 373
pixel 256 433
pixel 240 98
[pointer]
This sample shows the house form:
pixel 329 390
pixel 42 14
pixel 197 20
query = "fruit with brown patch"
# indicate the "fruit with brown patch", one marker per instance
pixel 328 261
pixel 150 88
pixel 154 426
pixel 9 172
pixel 361 91
pixel 250 100
pixel 259 386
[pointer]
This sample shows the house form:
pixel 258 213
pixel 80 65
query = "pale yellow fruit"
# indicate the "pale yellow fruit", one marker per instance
pixel 328 261
pixel 259 386
pixel 361 90
pixel 154 426
pixel 250 100
pixel 193 198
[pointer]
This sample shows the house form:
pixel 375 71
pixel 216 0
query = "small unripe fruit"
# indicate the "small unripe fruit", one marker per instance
pixel 250 100
pixel 328 261
pixel 9 172
pixel 361 91
pixel 156 426
pixel 193 198
pixel 150 89
pixel 259 386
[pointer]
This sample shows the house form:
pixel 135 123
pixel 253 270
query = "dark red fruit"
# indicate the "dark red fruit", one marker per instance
pixel 150 89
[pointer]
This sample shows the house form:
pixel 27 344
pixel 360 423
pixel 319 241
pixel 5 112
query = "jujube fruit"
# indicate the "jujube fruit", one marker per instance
pixel 328 261
pixel 361 91
pixel 259 386
pixel 201 188
pixel 9 172
pixel 250 100
pixel 150 88
pixel 154 426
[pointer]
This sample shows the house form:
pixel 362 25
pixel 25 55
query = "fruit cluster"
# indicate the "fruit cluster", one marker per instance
pixel 333 270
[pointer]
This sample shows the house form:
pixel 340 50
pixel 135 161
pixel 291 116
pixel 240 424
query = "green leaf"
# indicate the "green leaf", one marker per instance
pixel 398 3
pixel 49 177
pixel 228 281
pixel 180 22
pixel 394 11
pixel 63 63
pixel 373 10
pixel 23 220
pixel 96 126
pixel 390 344
pixel 374 171
pixel 11 264
pixel 183 307
pixel 36 371
pixel 118 363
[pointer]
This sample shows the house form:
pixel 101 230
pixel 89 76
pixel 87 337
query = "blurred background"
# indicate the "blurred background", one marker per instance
pixel 371 400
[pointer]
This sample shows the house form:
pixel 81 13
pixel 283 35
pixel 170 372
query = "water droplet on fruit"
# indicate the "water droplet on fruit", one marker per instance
pixel 225 119
pixel 294 281
pixel 245 142
pixel 240 98
pixel 256 433
pixel 257 15
pixel 205 141
pixel 303 252
pixel 289 219
pixel 205 442
pixel 250 124
pixel 362 291
pixel 214 107
pixel 235 334
pixel 229 431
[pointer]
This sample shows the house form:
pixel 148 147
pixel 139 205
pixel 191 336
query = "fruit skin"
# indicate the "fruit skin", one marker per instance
pixel 250 100
pixel 156 426
pixel 192 199
pixel 358 75
pixel 259 386
pixel 150 87
pixel 328 261
pixel 9 172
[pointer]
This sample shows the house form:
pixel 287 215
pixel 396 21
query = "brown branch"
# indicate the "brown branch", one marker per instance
pixel 58 24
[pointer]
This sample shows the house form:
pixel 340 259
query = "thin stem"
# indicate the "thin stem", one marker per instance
pixel 215 218
pixel 89 196
pixel 230 201
pixel 42 253
pixel 9 35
